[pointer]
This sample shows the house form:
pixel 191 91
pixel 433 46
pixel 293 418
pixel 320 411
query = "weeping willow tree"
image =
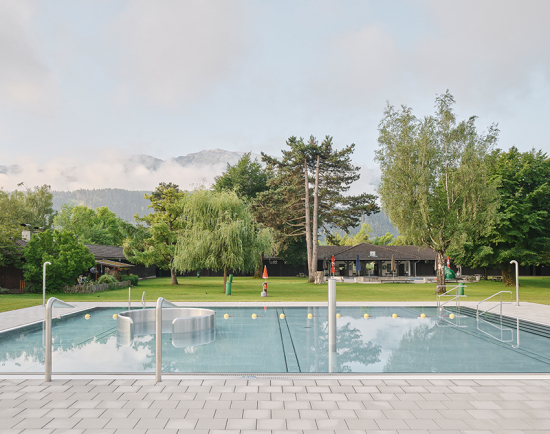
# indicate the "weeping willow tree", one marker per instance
pixel 219 233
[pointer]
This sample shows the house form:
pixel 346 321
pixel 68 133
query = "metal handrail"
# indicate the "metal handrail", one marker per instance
pixel 446 294
pixel 158 336
pixel 48 344
pixel 492 307
pixel 143 300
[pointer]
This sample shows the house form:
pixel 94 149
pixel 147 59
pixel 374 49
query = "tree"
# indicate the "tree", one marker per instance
pixel 306 193
pixel 220 233
pixel 32 207
pixel 434 184
pixel 346 240
pixel 155 244
pixel 100 227
pixel 246 178
pixel 522 229
pixel 68 258
pixel 384 240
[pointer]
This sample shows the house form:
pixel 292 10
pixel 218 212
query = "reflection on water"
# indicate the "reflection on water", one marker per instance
pixel 269 344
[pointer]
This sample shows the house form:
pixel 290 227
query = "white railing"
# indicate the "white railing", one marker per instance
pixel 444 316
pixel 143 300
pixel 500 329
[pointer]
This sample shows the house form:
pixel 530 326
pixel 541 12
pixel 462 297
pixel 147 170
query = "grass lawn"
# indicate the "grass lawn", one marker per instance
pixel 532 289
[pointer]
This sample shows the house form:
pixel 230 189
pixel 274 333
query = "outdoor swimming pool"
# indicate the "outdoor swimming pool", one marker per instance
pixel 295 344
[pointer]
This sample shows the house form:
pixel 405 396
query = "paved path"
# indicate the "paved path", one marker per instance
pixel 16 318
pixel 350 406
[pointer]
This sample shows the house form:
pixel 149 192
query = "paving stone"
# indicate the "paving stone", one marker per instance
pixel 176 423
pixel 239 424
pixel 211 424
pixel 270 424
pixel 122 423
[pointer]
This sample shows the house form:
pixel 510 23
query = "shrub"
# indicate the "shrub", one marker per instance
pixel 34 288
pixel 132 278
pixel 4 291
pixel 106 278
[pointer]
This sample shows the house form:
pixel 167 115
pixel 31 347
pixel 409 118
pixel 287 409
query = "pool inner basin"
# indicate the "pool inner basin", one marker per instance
pixel 297 343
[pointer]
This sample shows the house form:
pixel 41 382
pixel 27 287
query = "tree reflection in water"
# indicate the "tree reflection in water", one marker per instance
pixel 352 349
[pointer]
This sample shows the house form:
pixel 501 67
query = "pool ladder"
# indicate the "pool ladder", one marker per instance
pixel 442 319
pixel 500 329
pixel 143 300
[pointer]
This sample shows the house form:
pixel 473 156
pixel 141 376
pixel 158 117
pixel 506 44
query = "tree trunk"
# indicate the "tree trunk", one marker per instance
pixel 308 222
pixel 314 243
pixel 224 279
pixel 440 264
pixel 258 271
pixel 174 278
pixel 509 274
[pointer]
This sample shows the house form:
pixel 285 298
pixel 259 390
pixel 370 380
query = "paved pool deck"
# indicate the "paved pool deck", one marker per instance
pixel 278 403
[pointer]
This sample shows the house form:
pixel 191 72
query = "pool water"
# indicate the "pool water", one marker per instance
pixel 269 344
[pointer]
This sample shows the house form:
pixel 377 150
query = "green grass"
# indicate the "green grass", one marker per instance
pixel 532 289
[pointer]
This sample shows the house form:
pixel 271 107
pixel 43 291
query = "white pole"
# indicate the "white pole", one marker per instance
pixel 129 297
pixel 332 323
pixel 517 281
pixel 44 283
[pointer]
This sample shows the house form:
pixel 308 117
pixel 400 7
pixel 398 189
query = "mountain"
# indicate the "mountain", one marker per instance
pixel 125 203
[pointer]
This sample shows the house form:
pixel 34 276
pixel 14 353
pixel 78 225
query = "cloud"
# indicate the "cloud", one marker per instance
pixel 26 82
pixel 175 51
pixel 110 170
pixel 489 54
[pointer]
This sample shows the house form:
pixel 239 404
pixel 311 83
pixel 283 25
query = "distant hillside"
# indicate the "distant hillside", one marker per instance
pixel 380 224
pixel 125 203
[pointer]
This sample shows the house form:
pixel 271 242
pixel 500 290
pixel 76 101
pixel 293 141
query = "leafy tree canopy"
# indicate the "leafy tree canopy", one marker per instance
pixel 434 184
pixel 32 207
pixel 100 226
pixel 155 243
pixel 219 233
pixel 68 258
pixel 362 236
pixel 246 178
pixel 522 228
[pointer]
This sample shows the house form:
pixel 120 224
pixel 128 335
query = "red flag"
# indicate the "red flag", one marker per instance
pixel 332 265
pixel 265 272
pixel 448 262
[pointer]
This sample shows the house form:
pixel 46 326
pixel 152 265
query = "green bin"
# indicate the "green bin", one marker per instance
pixel 228 287
pixel 231 278
pixel 461 289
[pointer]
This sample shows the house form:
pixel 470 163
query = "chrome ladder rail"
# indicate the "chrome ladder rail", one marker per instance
pixel 502 329
pixel 143 300
pixel 442 320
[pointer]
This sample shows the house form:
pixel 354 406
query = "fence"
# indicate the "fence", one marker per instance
pixel 89 288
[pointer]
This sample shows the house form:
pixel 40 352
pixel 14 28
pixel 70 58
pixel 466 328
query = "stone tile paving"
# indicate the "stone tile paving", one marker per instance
pixel 467 405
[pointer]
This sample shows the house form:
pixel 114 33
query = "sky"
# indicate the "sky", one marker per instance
pixel 84 85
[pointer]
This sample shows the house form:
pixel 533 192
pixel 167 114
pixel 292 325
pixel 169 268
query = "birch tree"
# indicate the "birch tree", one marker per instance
pixel 434 184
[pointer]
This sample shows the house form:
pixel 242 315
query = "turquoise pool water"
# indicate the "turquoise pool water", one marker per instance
pixel 294 344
